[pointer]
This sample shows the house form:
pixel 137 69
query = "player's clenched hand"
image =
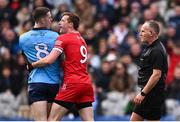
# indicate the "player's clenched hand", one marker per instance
pixel 29 67
pixel 138 99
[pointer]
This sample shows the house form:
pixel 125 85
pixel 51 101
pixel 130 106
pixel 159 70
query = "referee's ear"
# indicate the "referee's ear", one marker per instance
pixel 150 32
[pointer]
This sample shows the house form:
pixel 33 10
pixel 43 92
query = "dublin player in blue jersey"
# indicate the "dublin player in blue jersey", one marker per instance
pixel 43 83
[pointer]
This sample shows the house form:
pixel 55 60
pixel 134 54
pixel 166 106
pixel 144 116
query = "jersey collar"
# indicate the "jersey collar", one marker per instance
pixel 155 42
pixel 43 28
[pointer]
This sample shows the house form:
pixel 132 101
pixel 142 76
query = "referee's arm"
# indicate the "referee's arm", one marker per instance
pixel 156 75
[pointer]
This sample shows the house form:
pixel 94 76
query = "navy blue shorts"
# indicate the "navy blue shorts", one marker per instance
pixel 42 92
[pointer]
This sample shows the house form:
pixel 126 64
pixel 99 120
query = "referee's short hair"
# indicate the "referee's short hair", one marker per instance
pixel 39 13
pixel 154 25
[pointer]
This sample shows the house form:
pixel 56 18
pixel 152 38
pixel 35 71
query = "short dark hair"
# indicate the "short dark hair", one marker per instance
pixel 74 18
pixel 154 25
pixel 39 13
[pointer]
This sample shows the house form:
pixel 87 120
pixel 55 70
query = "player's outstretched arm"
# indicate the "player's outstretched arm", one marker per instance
pixel 49 59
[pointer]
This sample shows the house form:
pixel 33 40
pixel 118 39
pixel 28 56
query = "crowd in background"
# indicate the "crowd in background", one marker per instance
pixel 110 28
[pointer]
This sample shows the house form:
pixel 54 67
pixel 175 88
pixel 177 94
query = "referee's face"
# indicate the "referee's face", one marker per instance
pixel 145 33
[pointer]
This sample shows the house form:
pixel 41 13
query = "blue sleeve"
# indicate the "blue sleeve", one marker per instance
pixel 20 42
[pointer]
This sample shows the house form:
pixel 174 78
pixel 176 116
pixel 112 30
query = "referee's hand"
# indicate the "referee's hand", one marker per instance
pixel 138 99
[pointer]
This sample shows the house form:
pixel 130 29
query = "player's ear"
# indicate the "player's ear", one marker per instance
pixel 71 24
pixel 41 20
pixel 150 32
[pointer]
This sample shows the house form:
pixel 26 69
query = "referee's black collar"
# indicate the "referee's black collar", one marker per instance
pixel 155 42
pixel 42 28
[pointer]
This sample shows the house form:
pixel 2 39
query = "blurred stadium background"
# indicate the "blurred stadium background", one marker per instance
pixel 110 28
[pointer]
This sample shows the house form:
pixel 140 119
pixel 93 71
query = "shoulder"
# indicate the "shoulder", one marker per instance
pixel 63 37
pixel 159 47
pixel 25 35
pixel 157 51
pixel 53 33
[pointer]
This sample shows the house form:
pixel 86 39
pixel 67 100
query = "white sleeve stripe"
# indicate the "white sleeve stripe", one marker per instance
pixel 60 50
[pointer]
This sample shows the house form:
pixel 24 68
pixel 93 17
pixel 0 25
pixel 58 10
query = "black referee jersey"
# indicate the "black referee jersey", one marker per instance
pixel 153 56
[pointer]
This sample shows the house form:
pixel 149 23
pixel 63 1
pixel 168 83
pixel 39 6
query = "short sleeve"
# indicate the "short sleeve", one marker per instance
pixel 59 44
pixel 22 39
pixel 157 59
pixel 20 42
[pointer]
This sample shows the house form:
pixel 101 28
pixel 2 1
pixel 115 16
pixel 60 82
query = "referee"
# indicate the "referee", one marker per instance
pixel 151 76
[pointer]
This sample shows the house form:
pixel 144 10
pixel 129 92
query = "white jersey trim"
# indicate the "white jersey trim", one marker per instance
pixel 60 50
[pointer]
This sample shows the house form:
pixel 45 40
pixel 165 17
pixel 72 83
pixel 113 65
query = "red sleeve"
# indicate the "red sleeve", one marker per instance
pixel 59 44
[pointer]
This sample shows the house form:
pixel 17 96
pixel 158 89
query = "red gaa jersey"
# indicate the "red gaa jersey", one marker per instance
pixel 75 63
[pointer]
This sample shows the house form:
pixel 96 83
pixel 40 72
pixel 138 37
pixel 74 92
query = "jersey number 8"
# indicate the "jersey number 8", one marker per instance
pixel 42 49
pixel 83 52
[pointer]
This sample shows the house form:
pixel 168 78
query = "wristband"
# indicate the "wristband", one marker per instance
pixel 142 93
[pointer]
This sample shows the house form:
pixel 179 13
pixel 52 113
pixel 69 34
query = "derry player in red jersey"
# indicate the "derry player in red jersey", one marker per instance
pixel 77 88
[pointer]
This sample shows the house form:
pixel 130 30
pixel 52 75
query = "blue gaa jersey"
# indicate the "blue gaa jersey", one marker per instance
pixel 36 44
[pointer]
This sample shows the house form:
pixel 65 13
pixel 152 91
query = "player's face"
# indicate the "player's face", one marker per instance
pixel 64 24
pixel 145 33
pixel 48 19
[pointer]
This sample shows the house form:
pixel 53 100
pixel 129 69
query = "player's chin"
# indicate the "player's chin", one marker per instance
pixel 61 31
